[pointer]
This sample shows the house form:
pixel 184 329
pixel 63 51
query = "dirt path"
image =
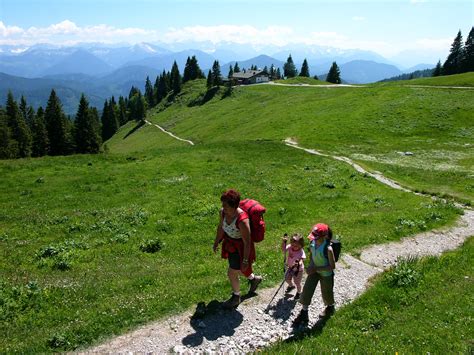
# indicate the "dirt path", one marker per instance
pixel 250 328
pixel 169 133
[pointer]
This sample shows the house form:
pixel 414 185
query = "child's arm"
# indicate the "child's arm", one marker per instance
pixel 284 241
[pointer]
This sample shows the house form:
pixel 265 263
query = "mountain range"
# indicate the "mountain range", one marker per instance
pixel 101 71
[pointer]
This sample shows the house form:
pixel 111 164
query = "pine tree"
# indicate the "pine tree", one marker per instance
pixel 8 146
pixel 278 74
pixel 122 111
pixel 109 121
pixel 57 126
pixel 175 79
pixel 40 145
pixel 209 80
pixel 289 69
pixel 149 95
pixel 163 88
pixel 236 68
pixel 438 69
pixel 304 69
pixel 216 74
pixel 231 72
pixel 468 58
pixel 334 75
pixel 187 71
pixel 452 65
pixel 137 107
pixel 20 132
pixel 272 72
pixel 86 129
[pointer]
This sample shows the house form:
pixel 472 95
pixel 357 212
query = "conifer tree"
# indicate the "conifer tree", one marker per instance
pixel 209 80
pixel 122 111
pixel 236 68
pixel 289 69
pixel 175 79
pixel 137 107
pixel 265 70
pixel 438 69
pixel 216 74
pixel 278 73
pixel 149 95
pixel 468 58
pixel 334 75
pixel 304 69
pixel 20 132
pixel 453 62
pixel 231 72
pixel 109 122
pixel 57 126
pixel 8 146
pixel 86 128
pixel 163 88
pixel 187 70
pixel 272 72
pixel 40 145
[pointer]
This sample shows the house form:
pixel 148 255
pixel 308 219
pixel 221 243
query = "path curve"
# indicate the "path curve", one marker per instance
pixel 169 133
pixel 249 328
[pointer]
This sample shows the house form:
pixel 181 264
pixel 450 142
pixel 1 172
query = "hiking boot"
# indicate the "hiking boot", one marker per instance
pixel 327 312
pixel 232 302
pixel 302 318
pixel 289 289
pixel 297 296
pixel 254 283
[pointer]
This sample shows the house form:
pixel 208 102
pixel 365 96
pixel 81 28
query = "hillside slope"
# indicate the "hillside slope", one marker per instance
pixel 374 124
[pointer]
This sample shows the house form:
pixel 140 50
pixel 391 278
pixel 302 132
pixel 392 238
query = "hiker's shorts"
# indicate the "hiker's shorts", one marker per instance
pixel 234 260
pixel 327 289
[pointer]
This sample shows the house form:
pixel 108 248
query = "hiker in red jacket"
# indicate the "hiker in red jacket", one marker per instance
pixel 237 247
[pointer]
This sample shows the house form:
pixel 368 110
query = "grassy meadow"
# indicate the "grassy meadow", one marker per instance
pixel 93 246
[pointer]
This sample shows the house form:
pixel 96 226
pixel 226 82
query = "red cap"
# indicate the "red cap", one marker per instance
pixel 318 230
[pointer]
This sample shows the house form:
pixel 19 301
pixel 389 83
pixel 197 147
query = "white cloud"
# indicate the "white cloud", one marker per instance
pixel 277 35
pixel 67 32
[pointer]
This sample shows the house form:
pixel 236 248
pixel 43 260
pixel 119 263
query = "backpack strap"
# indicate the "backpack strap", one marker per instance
pixel 243 215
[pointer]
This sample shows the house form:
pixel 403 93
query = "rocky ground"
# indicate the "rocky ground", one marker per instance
pixel 209 329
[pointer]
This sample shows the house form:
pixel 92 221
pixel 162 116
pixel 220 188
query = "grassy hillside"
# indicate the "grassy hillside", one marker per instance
pixel 93 246
pixel 375 125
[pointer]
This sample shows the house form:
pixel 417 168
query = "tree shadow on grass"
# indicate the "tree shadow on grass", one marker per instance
pixel 212 321
pixel 134 129
pixel 202 99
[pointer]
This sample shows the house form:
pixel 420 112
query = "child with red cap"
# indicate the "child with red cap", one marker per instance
pixel 320 269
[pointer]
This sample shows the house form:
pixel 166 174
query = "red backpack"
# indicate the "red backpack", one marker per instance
pixel 255 212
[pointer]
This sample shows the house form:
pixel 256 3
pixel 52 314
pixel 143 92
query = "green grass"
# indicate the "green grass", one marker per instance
pixel 421 306
pixel 76 232
pixel 76 226
pixel 369 124
pixel 302 80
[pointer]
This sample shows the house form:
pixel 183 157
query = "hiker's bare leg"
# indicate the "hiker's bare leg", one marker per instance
pixel 234 280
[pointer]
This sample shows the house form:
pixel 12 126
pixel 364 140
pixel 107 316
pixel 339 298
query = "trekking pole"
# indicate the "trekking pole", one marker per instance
pixel 284 276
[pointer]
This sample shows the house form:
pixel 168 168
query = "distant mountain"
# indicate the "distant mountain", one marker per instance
pixel 37 91
pixel 419 67
pixel 117 57
pixel 365 71
pixel 260 61
pixel 81 62
pixel 165 62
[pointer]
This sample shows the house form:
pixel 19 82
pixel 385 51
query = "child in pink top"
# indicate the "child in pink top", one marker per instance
pixel 294 262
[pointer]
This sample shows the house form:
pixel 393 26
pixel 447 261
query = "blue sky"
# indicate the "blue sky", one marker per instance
pixel 387 27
